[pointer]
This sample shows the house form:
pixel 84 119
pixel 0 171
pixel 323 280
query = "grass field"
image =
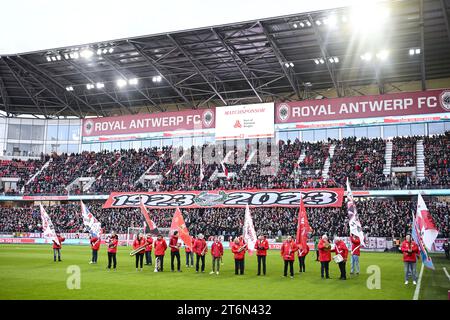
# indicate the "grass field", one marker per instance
pixel 28 272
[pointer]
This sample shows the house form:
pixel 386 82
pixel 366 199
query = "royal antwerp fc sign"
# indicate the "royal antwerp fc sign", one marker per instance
pixel 141 123
pixel 395 104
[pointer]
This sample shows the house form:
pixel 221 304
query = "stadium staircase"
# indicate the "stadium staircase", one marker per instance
pixel 249 160
pixel 420 160
pixel 326 166
pixel 388 158
pixel 302 157
pixel 36 174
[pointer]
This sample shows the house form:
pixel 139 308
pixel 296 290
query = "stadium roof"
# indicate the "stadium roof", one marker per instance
pixel 276 59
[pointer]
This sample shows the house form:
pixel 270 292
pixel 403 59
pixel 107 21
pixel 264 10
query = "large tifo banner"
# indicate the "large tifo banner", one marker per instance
pixel 249 121
pixel 331 197
pixel 144 123
pixel 395 104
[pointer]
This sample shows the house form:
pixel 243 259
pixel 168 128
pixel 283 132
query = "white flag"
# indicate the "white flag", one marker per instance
pixel 47 227
pixel 353 219
pixel 249 231
pixel 90 222
pixel 425 224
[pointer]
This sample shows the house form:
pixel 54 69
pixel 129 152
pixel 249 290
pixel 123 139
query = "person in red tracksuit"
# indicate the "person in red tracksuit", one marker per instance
pixel 160 250
pixel 189 254
pixel 324 256
pixel 302 252
pixel 288 249
pixel 174 251
pixel 239 248
pixel 356 245
pixel 217 253
pixel 200 249
pixel 95 245
pixel 341 248
pixel 410 251
pixel 57 247
pixel 261 247
pixel 139 242
pixel 112 250
pixel 148 250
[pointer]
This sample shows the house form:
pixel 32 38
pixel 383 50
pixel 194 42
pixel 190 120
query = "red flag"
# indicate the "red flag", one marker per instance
pixel 302 226
pixel 225 170
pixel 152 226
pixel 179 225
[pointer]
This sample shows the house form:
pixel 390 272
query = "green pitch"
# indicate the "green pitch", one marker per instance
pixel 28 272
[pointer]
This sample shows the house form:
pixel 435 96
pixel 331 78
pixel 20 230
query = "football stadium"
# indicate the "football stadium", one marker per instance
pixel 294 156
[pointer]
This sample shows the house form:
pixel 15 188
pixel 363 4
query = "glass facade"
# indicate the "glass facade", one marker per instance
pixel 31 137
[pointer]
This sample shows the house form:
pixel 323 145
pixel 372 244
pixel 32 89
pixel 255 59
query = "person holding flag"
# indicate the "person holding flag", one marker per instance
pixel 95 246
pixel 57 247
pixel 353 219
pixel 303 228
pixel 302 253
pixel 324 247
pixel 49 233
pixel 148 250
pixel 288 250
pixel 200 248
pixel 410 251
pixel 160 250
pixel 174 252
pixel 356 244
pixel 261 247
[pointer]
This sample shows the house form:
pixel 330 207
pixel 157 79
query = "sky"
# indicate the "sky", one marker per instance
pixel 34 25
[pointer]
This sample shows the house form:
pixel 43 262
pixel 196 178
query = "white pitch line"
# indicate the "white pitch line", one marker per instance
pixel 446 273
pixel 416 293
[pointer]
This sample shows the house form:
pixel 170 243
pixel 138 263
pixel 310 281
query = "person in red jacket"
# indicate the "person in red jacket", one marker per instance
pixel 238 248
pixel 139 242
pixel 324 256
pixel 148 250
pixel 302 252
pixel 288 249
pixel 95 246
pixel 200 249
pixel 261 247
pixel 160 250
pixel 57 247
pixel 174 251
pixel 113 242
pixel 341 248
pixel 356 245
pixel 217 253
pixel 189 254
pixel 410 250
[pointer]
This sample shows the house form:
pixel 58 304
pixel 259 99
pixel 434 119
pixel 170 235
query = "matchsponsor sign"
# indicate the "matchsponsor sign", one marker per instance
pixel 251 121
pixel 331 197
pixel 387 105
pixel 142 123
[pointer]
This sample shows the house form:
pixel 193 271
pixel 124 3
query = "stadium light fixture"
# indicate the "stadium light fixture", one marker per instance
pixel 99 52
pixel 49 59
pixel 331 59
pixel 316 61
pixel 105 51
pixel 321 61
pixel 417 51
pixel 286 64
pixel 366 56
pixel 302 24
pixel 121 83
pixel 383 54
pixel 66 56
pixel 69 88
pixel 295 25
pixel 100 85
pixel 90 86
pixel 336 60
pixel 369 18
pixel 411 52
pixel 318 22
pixel 110 50
pixel 86 53
pixel 332 21
pixel 53 58
pixel 308 23
pixel 291 64
pixel 133 81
